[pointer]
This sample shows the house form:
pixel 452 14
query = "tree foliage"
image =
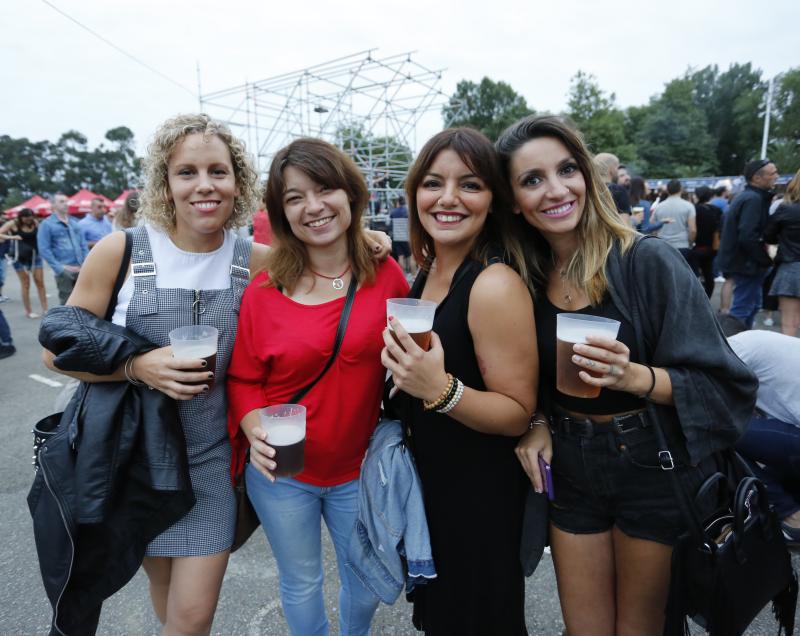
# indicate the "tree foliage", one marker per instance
pixel 597 116
pixel 732 102
pixel 489 106
pixel 673 140
pixel 784 148
pixel 44 167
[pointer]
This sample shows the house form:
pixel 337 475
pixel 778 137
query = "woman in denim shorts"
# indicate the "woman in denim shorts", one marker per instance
pixel 27 260
pixel 614 517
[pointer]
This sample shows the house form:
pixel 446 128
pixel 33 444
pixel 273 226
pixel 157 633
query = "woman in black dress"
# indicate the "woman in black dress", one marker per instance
pixel 468 398
pixel 27 261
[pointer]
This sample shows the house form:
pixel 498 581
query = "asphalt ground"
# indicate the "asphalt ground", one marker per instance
pixel 249 603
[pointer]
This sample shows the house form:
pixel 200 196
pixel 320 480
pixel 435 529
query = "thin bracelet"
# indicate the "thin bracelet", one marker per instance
pixel 129 374
pixel 646 396
pixel 537 420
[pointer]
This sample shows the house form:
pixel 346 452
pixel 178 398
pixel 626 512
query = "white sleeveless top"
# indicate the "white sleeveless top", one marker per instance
pixel 176 269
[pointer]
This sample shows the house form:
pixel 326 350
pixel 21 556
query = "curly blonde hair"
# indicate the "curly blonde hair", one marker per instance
pixel 156 204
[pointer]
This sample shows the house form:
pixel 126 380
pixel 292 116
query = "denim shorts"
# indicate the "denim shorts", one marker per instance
pixel 35 264
pixel 615 479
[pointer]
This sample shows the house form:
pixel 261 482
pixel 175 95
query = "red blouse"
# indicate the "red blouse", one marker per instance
pixel 281 345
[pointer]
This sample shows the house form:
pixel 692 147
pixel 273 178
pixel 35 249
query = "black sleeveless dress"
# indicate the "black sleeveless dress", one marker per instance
pixel 474 490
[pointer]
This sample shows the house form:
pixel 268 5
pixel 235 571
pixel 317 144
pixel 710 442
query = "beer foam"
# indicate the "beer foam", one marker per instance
pixel 415 325
pixel 194 351
pixel 579 335
pixel 284 434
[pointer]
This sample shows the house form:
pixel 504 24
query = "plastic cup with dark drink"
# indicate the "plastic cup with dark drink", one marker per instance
pixel 571 329
pixel 416 316
pixel 196 342
pixel 285 426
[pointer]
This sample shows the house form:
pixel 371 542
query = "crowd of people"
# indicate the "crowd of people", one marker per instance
pixel 504 238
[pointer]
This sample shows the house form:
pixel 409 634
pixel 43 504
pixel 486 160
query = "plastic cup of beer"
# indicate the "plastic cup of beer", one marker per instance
pixel 571 329
pixel 285 426
pixel 416 316
pixel 196 341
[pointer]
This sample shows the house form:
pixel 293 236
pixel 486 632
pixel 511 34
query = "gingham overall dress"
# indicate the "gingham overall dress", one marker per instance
pixel 153 312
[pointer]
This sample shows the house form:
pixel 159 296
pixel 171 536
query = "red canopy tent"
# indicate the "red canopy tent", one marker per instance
pixel 80 203
pixel 39 205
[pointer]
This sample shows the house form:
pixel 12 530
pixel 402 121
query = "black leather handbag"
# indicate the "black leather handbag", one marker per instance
pixel 246 518
pixel 731 562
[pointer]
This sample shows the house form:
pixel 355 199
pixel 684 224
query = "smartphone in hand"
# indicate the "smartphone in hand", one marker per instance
pixel 547 478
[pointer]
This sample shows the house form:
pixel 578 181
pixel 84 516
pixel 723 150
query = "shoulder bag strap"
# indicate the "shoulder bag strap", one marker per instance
pixel 123 269
pixel 348 305
pixel 665 457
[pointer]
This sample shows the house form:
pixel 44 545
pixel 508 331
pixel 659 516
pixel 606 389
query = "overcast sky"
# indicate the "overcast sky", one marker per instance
pixel 55 76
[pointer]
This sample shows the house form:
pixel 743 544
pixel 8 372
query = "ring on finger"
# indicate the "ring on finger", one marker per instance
pixel 612 370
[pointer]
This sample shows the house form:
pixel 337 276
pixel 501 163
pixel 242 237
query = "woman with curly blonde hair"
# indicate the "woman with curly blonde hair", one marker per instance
pixel 190 269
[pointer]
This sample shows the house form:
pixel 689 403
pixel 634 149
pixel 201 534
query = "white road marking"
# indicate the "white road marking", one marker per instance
pixel 44 380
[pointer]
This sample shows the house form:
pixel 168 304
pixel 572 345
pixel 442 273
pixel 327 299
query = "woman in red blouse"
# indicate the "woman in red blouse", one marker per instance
pixel 287 328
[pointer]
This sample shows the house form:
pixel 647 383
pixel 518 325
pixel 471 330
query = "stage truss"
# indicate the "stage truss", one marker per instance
pixel 369 106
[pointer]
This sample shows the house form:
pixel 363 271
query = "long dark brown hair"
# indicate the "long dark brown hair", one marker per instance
pixel 328 166
pixel 477 152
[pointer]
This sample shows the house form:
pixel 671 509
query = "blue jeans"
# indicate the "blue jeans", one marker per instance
pixel 290 512
pixel 775 444
pixel 747 297
pixel 5 330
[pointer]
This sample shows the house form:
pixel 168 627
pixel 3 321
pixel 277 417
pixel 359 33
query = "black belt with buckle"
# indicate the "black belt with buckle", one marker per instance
pixel 587 427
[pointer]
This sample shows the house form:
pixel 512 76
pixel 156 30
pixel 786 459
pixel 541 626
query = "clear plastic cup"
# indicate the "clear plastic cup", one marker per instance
pixel 196 342
pixel 571 329
pixel 415 315
pixel 285 426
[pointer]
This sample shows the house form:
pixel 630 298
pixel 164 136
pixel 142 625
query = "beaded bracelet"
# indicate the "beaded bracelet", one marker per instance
pixel 455 399
pixel 128 369
pixel 443 397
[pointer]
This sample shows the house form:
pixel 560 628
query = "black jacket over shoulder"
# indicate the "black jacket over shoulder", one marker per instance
pixel 112 476
pixel 713 390
pixel 742 249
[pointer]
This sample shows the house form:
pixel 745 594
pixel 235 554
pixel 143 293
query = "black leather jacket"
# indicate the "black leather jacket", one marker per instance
pixel 112 475
pixel 742 249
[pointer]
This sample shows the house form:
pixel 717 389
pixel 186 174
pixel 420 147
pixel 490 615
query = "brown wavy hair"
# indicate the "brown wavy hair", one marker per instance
pixel 477 152
pixel 600 226
pixel 328 166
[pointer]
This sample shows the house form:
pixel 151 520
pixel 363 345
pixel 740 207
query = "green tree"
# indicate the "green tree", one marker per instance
pixel 596 115
pixel 784 147
pixel 733 103
pixel 489 106
pixel 673 139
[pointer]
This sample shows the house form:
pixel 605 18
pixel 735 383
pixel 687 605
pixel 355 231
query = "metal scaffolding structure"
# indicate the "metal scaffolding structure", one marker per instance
pixel 369 106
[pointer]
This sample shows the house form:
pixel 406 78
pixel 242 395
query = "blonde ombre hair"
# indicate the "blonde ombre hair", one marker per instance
pixel 156 205
pixel 793 190
pixel 600 226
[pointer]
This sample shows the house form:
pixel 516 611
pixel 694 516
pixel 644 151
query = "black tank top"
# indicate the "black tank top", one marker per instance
pixel 474 492
pixel 26 248
pixel 609 401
